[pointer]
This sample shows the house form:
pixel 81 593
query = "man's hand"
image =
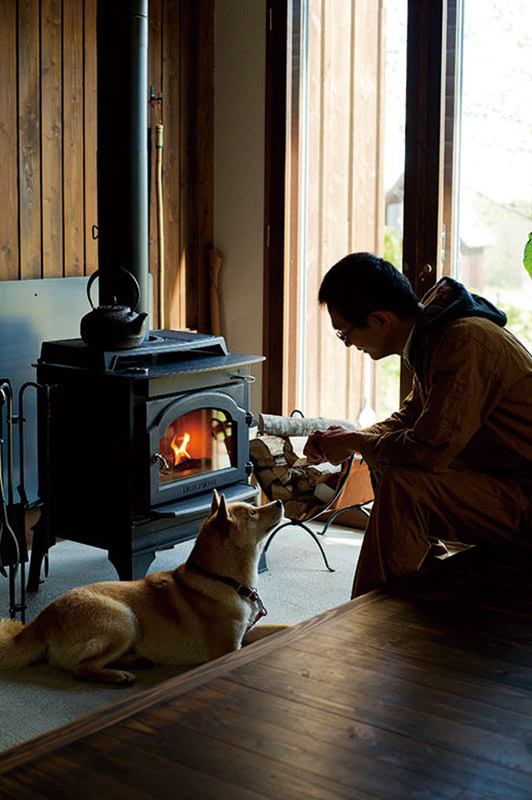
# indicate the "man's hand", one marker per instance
pixel 334 445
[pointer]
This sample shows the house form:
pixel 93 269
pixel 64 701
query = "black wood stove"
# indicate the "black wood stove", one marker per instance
pixel 132 443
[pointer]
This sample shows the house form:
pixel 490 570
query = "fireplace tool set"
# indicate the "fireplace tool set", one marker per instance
pixel 13 548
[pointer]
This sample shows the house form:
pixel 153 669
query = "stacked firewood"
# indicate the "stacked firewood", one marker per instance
pixel 283 473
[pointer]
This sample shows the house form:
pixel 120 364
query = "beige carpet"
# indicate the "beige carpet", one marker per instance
pixel 295 587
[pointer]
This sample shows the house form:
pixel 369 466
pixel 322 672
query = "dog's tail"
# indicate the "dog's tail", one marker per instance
pixel 20 644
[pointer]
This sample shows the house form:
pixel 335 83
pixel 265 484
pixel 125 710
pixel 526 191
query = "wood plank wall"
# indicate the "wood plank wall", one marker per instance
pixel 48 198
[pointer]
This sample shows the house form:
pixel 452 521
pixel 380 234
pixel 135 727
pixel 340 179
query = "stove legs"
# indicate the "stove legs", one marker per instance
pixel 128 566
pixel 131 566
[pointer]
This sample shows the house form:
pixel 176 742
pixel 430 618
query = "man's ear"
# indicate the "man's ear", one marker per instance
pixel 381 319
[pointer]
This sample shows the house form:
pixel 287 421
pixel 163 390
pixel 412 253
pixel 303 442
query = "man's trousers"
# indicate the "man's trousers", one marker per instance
pixel 411 507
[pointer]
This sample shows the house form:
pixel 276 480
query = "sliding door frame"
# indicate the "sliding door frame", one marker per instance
pixel 274 326
pixel 424 151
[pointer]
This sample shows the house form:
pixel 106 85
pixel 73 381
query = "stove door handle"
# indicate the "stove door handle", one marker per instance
pixel 246 378
pixel 157 458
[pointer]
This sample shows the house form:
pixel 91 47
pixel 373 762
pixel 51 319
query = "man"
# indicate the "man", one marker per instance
pixel 455 462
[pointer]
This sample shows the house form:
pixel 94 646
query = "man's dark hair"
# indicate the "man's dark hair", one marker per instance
pixel 361 283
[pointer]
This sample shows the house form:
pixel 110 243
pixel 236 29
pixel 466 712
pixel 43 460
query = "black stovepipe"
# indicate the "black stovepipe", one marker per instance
pixel 122 145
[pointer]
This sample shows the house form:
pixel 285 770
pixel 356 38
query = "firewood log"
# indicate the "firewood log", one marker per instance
pixel 282 474
pixel 320 473
pixel 303 484
pixel 300 426
pixel 266 447
pixel 293 449
pixel 280 492
pixel 266 477
pixel 297 509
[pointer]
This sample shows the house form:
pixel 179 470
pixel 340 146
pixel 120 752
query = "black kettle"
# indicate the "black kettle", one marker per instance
pixel 113 327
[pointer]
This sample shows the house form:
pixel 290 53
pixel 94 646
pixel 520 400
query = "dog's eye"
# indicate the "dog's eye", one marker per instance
pixel 252 511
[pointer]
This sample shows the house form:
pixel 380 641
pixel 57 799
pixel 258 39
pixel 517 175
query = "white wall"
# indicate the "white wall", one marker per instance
pixel 239 76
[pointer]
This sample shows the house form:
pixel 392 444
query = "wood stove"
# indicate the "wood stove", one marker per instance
pixel 132 443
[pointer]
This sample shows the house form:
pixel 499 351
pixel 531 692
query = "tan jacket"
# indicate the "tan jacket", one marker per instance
pixel 470 406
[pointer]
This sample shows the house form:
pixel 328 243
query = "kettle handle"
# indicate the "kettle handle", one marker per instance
pixel 130 274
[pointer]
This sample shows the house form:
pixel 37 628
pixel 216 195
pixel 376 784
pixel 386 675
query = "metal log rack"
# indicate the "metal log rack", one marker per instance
pixel 365 508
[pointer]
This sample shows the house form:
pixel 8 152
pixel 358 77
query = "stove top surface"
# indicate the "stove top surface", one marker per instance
pixel 163 351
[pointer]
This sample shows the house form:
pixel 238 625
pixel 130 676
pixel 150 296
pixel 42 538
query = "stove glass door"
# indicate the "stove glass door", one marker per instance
pixel 198 442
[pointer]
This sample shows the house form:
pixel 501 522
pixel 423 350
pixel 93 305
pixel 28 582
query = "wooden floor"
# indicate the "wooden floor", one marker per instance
pixel 424 691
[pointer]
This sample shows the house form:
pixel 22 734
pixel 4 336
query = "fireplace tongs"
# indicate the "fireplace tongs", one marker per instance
pixel 249 592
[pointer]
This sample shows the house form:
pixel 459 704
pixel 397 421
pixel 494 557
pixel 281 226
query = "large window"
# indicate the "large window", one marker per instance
pixel 344 188
pixel 493 192
pixel 408 132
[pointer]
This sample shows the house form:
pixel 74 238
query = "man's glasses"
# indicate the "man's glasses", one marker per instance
pixel 344 335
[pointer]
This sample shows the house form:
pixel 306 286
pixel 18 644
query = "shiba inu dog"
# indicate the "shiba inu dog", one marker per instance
pixel 186 616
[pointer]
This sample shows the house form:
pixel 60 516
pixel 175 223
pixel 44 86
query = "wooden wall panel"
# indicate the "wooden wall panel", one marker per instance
pixel 52 139
pixel 293 343
pixel 73 210
pixel 89 150
pixel 29 122
pixel 9 241
pixel 48 181
pixel 311 208
pixel 171 87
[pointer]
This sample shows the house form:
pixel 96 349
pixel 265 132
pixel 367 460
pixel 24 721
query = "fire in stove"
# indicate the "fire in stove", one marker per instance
pixel 197 442
pixel 180 451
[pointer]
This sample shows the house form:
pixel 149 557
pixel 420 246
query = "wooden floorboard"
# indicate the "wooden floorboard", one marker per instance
pixel 421 691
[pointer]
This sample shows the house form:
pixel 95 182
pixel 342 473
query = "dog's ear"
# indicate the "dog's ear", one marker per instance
pixel 215 502
pixel 223 511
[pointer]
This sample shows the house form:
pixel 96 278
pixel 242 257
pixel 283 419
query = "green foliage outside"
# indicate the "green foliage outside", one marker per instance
pixel 519 322
pixel 527 256
pixel 393 246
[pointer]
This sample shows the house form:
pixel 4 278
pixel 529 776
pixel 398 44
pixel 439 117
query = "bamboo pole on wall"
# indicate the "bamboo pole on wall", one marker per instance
pixel 159 141
pixel 215 265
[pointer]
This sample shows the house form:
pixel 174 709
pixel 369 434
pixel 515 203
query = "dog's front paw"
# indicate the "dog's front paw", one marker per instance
pixel 261 631
pixel 96 674
pixel 124 677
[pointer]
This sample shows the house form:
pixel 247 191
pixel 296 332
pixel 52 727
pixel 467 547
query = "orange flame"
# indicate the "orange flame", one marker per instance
pixel 180 451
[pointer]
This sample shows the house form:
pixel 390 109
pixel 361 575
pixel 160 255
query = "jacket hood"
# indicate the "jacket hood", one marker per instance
pixel 447 301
